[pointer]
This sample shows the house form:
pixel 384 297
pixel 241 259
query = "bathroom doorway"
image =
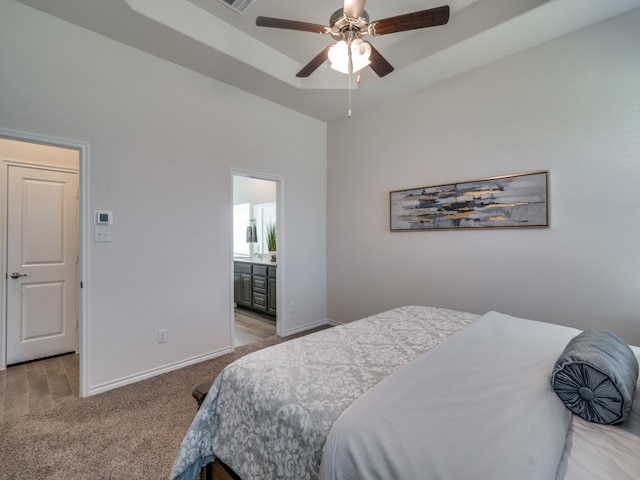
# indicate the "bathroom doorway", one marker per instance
pixel 256 228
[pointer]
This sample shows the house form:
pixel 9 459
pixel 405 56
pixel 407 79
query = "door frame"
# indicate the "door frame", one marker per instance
pixel 83 247
pixel 280 228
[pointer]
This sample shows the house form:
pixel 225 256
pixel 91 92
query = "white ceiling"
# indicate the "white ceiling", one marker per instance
pixel 210 38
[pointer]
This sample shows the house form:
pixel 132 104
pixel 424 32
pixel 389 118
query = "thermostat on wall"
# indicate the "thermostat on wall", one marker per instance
pixel 103 218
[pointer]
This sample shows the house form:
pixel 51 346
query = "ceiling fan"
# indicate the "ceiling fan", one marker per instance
pixel 348 25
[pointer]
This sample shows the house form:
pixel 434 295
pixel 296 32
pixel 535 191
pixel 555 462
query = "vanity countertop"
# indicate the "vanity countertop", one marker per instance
pixel 256 259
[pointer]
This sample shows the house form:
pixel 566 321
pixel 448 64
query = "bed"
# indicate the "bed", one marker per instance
pixel 415 392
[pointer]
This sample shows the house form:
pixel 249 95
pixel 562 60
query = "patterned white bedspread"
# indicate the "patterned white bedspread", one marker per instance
pixel 268 414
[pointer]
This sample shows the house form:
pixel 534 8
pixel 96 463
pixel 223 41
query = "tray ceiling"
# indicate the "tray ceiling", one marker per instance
pixel 209 37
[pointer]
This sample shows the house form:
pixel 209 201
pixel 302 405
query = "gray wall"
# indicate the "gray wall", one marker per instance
pixel 570 106
pixel 162 144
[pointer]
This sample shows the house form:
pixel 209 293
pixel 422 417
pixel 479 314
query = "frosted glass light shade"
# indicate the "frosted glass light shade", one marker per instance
pixel 339 55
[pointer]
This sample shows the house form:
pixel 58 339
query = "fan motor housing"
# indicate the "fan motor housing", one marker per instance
pixel 340 22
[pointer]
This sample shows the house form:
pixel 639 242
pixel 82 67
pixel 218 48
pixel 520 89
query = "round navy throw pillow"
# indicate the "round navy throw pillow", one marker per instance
pixel 595 377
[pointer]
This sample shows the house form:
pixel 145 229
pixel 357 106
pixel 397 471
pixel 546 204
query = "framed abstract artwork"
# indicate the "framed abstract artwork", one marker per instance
pixel 510 201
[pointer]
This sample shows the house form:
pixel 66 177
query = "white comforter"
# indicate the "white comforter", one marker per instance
pixel 480 405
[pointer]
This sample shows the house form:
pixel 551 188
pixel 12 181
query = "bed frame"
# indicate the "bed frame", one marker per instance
pixel 217 471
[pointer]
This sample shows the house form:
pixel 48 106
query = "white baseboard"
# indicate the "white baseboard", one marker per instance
pixel 306 327
pixel 121 382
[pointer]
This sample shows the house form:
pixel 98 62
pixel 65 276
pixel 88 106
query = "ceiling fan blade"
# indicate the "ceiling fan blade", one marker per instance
pixel 411 21
pixel 291 25
pixel 354 8
pixel 315 62
pixel 378 63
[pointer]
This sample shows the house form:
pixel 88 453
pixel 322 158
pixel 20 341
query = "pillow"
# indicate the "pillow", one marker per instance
pixel 595 377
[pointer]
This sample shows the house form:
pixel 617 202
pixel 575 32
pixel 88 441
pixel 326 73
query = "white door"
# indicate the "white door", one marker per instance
pixel 42 238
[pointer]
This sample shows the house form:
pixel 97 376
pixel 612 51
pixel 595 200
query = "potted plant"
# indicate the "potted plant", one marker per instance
pixel 270 231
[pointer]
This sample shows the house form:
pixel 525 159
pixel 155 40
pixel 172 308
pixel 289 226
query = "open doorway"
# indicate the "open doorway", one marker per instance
pixel 255 257
pixel 41 256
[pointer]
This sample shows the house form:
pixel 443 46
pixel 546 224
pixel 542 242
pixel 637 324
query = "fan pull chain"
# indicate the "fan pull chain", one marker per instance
pixel 350 75
pixel 349 111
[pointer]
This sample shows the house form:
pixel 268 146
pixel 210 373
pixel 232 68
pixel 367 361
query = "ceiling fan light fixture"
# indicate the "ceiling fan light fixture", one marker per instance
pixel 347 25
pixel 339 55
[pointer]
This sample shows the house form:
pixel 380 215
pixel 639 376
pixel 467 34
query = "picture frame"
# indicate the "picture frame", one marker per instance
pixel 509 201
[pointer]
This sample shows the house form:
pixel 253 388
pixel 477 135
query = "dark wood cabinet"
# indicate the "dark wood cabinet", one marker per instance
pixel 254 286
pixel 271 280
pixel 242 279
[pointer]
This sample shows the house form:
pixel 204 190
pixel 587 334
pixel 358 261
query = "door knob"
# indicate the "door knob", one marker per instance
pixel 18 275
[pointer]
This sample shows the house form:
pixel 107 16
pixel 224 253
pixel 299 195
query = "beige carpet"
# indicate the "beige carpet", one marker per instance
pixel 132 432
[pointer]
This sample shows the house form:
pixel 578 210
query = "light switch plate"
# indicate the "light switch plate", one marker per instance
pixel 102 234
